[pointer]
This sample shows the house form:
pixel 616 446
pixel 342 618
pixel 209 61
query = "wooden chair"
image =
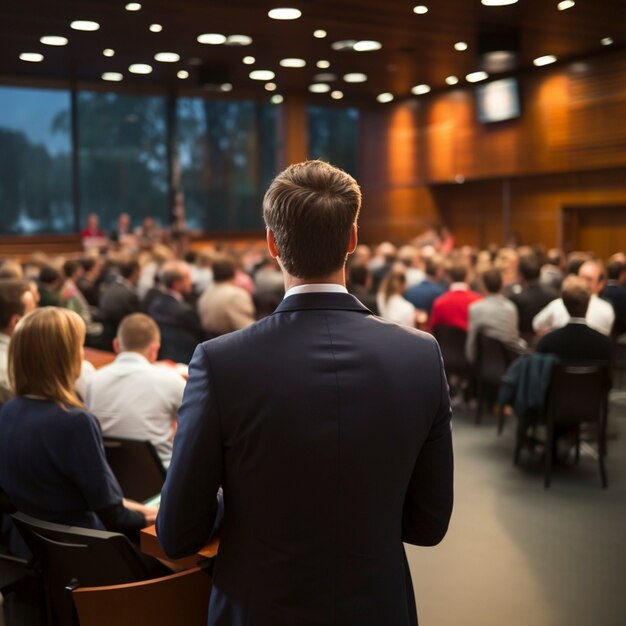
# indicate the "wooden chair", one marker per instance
pixel 136 466
pixel 181 598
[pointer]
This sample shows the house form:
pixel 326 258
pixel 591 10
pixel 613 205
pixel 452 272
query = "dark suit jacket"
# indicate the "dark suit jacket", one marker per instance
pixel 529 302
pixel 576 342
pixel 117 302
pixel 616 295
pixel 329 430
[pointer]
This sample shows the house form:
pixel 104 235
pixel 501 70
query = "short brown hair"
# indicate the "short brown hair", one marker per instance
pixel 492 279
pixel 45 355
pixel 311 208
pixel 136 332
pixel 576 295
pixel 11 302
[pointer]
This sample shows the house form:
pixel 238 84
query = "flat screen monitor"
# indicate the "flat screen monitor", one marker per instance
pixel 498 100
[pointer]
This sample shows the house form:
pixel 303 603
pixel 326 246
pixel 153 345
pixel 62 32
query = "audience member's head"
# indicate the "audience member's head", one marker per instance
pixel 138 333
pixel 458 273
pixel 386 252
pixel 16 300
pixel 554 257
pixel 616 270
pixel 72 269
pixel 360 276
pixel 434 266
pixel 529 269
pixel 576 295
pixel 130 271
pixel 592 272
pixel 492 279
pixel 45 355
pixel 11 269
pixel 574 262
pixel 311 209
pixel 394 282
pixel 176 276
pixel 409 255
pixel 50 278
pixel 223 269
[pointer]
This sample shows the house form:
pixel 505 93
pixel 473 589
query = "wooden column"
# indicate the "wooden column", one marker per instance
pixel 291 129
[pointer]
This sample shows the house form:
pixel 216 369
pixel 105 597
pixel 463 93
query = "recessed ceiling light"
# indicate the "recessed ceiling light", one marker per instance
pixel 108 52
pixel 292 62
pixel 367 45
pixel 262 75
pixel 212 39
pixel 355 77
pixel 452 80
pixel 140 68
pixel 276 99
pixel 85 25
pixel 607 41
pixel 325 77
pixel 238 40
pixel 566 4
pixel 248 60
pixel 182 74
pixel 319 88
pixel 323 64
pixel 133 6
pixel 53 40
pixel 226 87
pixel 475 77
pixel 420 9
pixel 343 44
pixel 384 97
pixel 320 33
pixel 156 28
pixel 336 95
pixel 497 3
pixel 284 13
pixel 112 76
pixel 167 57
pixel 31 57
pixel 544 60
pixel 460 46
pixel 270 86
pixel 420 90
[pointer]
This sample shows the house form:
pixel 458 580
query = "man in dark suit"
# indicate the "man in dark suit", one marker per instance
pixel 328 428
pixel 120 297
pixel 615 291
pixel 576 341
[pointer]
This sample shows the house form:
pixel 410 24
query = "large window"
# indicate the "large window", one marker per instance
pixel 122 148
pixel 35 162
pixel 333 136
pixel 226 157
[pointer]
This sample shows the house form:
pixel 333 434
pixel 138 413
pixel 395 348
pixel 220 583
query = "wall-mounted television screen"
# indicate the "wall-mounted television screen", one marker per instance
pixel 498 100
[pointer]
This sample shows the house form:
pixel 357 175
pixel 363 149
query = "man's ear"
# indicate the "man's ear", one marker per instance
pixel 354 238
pixel 271 244
pixel 116 346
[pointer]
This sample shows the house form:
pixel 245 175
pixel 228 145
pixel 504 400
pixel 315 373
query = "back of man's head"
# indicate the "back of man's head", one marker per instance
pixel 11 301
pixel 492 279
pixel 311 208
pixel 576 295
pixel 70 268
pixel 11 269
pixel 172 273
pixel 433 265
pixel 615 269
pixel 359 275
pixel 458 273
pixel 129 269
pixel 50 276
pixel 592 272
pixel 223 269
pixel 137 333
pixel 529 268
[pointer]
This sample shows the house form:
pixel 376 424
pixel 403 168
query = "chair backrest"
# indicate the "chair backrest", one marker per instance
pixel 492 359
pixel 71 556
pixel 451 340
pixel 578 392
pixel 181 598
pixel 136 466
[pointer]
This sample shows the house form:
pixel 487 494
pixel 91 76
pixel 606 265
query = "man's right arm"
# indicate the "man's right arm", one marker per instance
pixel 428 502
pixel 189 506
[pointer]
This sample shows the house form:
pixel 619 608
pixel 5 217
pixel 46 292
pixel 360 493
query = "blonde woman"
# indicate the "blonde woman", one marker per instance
pixel 52 462
pixel 390 299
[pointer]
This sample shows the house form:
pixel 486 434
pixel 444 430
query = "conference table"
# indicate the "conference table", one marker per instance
pixel 149 545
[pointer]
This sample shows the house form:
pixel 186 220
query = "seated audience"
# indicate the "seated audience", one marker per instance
pixel 360 284
pixel 382 262
pixel 226 307
pixel 92 230
pixel 89 280
pixel 551 276
pixel 576 341
pixel 411 258
pixel 390 299
pixel 50 283
pixel 452 307
pixel 120 298
pixel 52 462
pixel 73 299
pixel 615 291
pixel 132 397
pixel 600 314
pixel 422 295
pixel 495 316
pixel 11 269
pixel 16 300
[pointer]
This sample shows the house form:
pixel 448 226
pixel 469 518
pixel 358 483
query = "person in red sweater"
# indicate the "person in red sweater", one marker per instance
pixel 451 308
pixel 93 228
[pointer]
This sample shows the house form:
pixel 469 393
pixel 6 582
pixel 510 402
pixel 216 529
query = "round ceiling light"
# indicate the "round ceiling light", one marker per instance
pixel 156 28
pixel 367 45
pixel 182 74
pixel 114 77
pixel 140 68
pixel 323 64
pixel 292 62
pixel 384 97
pixel 565 4
pixel 226 87
pixel 497 3
pixel 167 57
pixel 31 57
pixel 336 95
pixel 607 41
pixel 238 40
pixel 475 77
pixel 546 59
pixel 460 46
pixel 248 60
pixel 355 77
pixel 320 33
pixel 108 52
pixel 343 44
pixel 53 40
pixel 420 9
pixel 319 88
pixel 270 86
pixel 276 99
pixel 85 25
pixel 133 6
pixel 263 75
pixel 211 39
pixel 420 90
pixel 452 80
pixel 284 13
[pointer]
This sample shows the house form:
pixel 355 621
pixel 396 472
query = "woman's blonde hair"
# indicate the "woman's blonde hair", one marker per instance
pixel 394 283
pixel 45 355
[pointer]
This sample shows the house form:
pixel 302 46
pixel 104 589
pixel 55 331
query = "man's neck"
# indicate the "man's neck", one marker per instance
pixel 336 278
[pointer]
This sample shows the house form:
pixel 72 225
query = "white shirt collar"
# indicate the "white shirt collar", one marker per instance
pixel 316 288
pixel 458 287
pixel 578 320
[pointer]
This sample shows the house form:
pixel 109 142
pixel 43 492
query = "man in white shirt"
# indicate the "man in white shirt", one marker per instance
pixel 600 313
pixel 132 397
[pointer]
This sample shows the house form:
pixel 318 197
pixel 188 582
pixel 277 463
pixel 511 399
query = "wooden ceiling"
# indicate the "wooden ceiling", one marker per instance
pixel 415 48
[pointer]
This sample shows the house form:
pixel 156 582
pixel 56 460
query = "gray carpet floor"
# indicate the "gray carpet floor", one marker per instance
pixel 517 554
